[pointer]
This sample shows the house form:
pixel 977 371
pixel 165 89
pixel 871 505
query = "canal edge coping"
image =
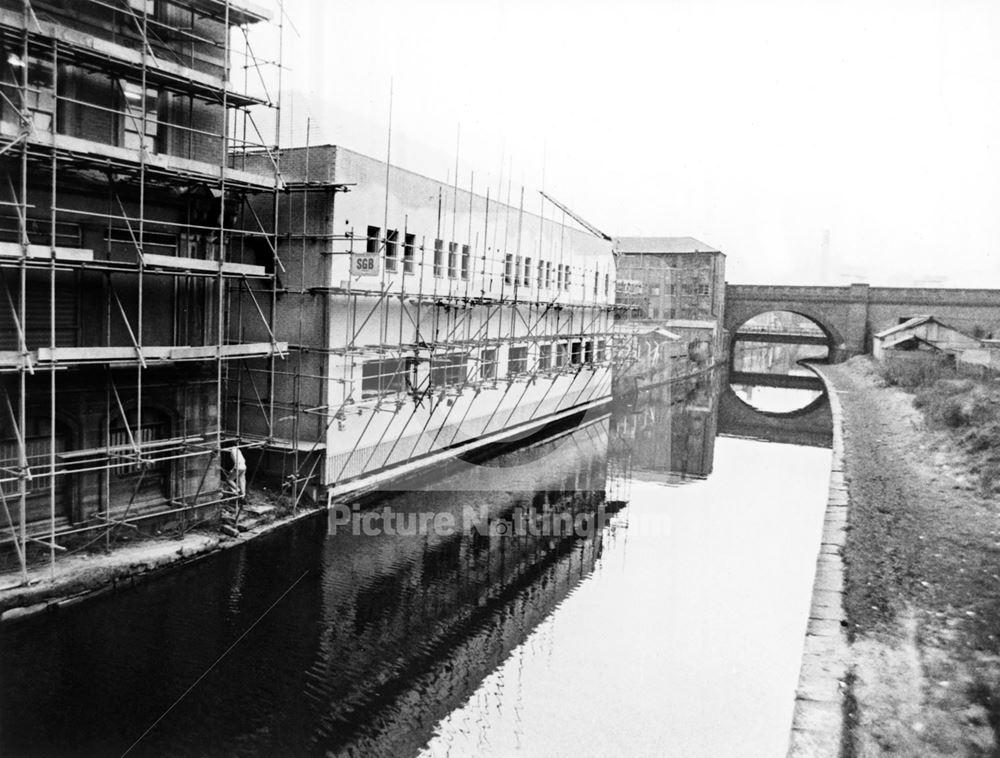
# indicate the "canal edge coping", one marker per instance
pixel 125 576
pixel 818 714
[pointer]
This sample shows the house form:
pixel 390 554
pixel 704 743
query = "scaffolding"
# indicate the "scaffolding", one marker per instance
pixel 127 231
pixel 427 331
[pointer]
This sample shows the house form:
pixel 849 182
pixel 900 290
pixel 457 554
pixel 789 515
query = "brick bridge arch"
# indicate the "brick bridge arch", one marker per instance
pixel 850 315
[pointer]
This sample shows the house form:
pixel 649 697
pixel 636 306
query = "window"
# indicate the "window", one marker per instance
pixel 391 249
pixel 599 357
pixel 508 269
pixel 559 277
pixel 382 376
pixel 540 274
pixel 517 270
pixel 466 258
pixel 37 443
pixel 132 482
pixel 527 272
pixel 121 243
pixel 448 369
pixel 588 351
pixel 40 231
pixel 408 258
pixel 137 120
pixel 576 353
pixel 371 243
pixel 517 360
pixel 544 357
pixel 562 353
pixel 596 281
pixel 488 363
pixel 548 274
pixel 37 323
pixel 607 283
pixel 655 292
pixel 452 260
pixel 566 278
pixel 439 258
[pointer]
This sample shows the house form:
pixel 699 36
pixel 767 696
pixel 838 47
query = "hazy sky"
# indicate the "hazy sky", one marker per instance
pixel 762 128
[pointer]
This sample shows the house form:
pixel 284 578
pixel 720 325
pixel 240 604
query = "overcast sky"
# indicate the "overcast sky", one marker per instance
pixel 761 128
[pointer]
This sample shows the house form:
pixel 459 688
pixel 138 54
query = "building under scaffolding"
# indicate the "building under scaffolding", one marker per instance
pixel 423 318
pixel 120 200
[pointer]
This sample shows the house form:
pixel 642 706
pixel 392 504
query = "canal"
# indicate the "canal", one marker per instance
pixel 637 584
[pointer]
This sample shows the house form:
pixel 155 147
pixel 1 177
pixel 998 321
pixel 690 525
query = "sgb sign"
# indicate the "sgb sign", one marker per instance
pixel 364 264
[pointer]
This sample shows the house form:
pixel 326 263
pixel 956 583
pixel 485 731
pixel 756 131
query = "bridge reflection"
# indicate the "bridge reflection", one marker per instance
pixel 668 434
pixel 783 381
pixel 811 426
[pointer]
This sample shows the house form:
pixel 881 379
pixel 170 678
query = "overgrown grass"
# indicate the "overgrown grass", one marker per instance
pixel 969 407
pixel 910 372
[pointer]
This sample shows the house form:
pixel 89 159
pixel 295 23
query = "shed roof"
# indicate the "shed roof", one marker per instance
pixel 913 322
pixel 662 245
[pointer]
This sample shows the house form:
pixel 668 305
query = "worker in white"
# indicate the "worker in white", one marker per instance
pixel 236 471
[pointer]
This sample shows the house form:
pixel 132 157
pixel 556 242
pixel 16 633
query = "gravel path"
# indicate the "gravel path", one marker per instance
pixel 922 580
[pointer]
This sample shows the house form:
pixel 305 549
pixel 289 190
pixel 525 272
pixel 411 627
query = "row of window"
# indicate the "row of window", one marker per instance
pixel 388 375
pixel 517 270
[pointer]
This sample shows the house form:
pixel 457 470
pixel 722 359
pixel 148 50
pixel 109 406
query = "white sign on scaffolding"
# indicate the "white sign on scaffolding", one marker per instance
pixel 364 264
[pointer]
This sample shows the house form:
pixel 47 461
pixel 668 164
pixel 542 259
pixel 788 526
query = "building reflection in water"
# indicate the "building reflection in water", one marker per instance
pixel 377 639
pixel 323 643
pixel 668 433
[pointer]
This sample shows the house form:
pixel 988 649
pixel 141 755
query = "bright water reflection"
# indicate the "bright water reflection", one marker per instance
pixel 674 630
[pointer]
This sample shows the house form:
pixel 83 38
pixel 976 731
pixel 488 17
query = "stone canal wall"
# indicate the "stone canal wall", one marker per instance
pixel 818 717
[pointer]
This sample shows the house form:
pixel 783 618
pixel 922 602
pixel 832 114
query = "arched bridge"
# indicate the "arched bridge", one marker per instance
pixel 849 316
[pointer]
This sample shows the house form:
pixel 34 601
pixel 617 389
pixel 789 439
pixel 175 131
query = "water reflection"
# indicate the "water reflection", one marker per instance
pixel 766 362
pixel 320 641
pixel 669 432
pixel 379 639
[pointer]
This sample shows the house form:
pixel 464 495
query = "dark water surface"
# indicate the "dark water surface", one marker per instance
pixel 674 627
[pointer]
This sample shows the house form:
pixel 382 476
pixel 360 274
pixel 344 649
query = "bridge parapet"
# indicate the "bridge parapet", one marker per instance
pixel 850 315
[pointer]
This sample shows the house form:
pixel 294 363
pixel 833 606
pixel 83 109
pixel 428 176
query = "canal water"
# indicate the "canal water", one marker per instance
pixel 636 584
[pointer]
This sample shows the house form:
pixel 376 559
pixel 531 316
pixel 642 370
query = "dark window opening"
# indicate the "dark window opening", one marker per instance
pixel 452 260
pixel 544 357
pixel 562 353
pixel 439 258
pixel 450 369
pixel 371 243
pixel 409 242
pixel 517 360
pixel 383 376
pixel 391 249
pixel 488 363
pixel 466 257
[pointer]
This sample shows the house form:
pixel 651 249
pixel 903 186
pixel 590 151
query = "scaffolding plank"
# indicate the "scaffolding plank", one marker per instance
pixel 200 264
pixel 244 350
pixel 13 250
pixel 169 164
pixel 150 352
